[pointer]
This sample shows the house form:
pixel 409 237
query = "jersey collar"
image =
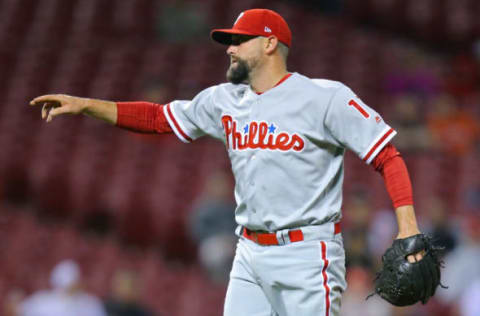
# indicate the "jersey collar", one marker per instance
pixel 278 83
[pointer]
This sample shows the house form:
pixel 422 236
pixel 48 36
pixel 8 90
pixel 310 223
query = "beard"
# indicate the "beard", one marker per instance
pixel 238 73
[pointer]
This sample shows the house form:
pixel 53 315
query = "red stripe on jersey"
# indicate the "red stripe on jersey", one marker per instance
pixel 177 125
pixel 281 80
pixel 325 278
pixel 378 144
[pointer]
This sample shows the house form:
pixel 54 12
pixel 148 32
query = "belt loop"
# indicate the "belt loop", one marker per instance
pixel 283 237
pixel 286 236
pixel 280 239
pixel 239 230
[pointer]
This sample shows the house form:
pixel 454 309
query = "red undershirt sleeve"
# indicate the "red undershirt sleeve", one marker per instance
pixel 143 117
pixel 395 174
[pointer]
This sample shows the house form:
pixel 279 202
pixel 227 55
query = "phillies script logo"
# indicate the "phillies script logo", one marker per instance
pixel 259 135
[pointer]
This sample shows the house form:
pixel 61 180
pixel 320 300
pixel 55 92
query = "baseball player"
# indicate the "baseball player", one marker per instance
pixel 286 136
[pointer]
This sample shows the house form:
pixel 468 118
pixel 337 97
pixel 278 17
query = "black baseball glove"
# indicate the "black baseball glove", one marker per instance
pixel 403 283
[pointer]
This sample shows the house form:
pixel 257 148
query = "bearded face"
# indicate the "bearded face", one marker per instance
pixel 238 72
pixel 244 58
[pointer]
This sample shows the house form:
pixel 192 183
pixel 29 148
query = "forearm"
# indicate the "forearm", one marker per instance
pixel 143 117
pixel 101 109
pixel 391 166
pixel 397 181
pixel 407 221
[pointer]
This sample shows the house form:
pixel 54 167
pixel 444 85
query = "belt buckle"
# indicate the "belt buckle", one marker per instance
pixel 255 237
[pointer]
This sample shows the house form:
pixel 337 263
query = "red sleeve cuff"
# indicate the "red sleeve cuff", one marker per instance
pixel 142 117
pixel 395 174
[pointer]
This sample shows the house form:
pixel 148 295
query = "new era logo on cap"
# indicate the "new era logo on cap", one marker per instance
pixel 256 22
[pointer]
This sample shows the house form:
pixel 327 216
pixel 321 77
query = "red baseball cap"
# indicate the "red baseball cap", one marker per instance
pixel 256 22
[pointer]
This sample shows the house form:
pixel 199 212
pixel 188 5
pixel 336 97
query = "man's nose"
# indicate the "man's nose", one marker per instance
pixel 231 49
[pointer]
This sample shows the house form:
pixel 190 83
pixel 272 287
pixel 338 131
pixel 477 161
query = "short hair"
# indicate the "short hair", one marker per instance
pixel 283 49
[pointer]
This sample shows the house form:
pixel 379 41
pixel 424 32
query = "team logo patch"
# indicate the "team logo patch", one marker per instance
pixel 261 135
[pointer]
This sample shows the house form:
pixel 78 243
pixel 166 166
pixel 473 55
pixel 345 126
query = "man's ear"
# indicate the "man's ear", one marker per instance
pixel 271 44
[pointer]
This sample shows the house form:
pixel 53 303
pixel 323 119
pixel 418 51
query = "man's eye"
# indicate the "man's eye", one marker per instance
pixel 237 40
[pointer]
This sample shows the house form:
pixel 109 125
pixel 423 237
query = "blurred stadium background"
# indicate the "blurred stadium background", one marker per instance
pixel 111 199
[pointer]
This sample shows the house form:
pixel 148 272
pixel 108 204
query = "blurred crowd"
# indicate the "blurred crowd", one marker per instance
pixel 428 90
pixel 66 296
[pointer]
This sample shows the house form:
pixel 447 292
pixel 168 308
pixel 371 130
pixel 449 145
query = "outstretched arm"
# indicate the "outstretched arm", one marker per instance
pixel 143 117
pixel 59 104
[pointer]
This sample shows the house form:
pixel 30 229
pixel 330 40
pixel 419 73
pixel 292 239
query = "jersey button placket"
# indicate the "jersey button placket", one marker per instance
pixel 251 164
pixel 252 161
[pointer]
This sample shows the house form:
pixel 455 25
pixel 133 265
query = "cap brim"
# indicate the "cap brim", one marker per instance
pixel 224 36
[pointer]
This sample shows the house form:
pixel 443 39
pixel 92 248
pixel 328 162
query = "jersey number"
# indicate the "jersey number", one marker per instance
pixel 359 108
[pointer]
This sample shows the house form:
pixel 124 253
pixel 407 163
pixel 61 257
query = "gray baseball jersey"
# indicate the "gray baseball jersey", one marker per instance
pixel 286 145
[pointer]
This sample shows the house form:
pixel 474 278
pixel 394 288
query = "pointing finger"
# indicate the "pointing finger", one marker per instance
pixel 47 98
